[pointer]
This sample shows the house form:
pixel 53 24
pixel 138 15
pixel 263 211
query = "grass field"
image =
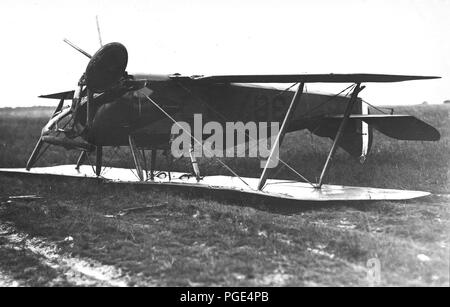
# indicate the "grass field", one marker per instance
pixel 202 240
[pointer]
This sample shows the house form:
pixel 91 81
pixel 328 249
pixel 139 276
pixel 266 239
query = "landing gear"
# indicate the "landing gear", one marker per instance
pixel 145 164
pixel 37 148
pixel 195 164
pixel 81 160
pixel 98 160
pixel 137 162
pixel 143 172
pixel 160 174
pixel 153 164
pixel 34 155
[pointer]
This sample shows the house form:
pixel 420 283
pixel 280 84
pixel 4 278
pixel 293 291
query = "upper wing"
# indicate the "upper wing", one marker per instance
pixel 307 78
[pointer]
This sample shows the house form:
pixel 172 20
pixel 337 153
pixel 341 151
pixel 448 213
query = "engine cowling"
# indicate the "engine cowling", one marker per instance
pixel 106 68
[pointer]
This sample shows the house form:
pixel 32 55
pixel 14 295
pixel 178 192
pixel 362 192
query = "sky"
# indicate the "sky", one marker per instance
pixel 207 37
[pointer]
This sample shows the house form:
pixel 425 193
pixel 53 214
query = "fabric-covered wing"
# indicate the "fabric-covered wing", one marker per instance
pixel 307 78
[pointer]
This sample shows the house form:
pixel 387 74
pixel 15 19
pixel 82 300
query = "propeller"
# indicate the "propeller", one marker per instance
pixel 105 73
pixel 106 68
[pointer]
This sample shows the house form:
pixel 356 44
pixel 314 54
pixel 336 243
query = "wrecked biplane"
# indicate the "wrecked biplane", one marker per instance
pixel 110 107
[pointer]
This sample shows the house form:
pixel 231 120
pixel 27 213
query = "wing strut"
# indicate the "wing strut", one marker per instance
pixel 275 146
pixel 81 160
pixel 134 153
pixel 195 139
pixel 98 160
pixel 37 148
pixel 340 131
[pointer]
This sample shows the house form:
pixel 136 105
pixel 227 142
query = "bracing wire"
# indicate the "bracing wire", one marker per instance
pixel 195 139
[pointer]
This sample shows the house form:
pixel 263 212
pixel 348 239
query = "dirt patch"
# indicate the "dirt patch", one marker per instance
pixel 75 271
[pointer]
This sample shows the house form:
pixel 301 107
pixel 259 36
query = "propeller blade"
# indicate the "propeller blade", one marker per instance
pixel 77 48
pixel 98 30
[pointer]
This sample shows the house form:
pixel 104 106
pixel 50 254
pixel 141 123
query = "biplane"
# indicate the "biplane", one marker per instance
pixel 110 107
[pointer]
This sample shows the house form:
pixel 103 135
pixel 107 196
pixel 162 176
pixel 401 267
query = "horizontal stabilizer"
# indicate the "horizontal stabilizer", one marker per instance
pixel 401 127
pixel 62 95
pixel 307 78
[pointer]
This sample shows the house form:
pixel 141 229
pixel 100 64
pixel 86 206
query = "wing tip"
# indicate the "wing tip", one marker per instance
pixel 429 77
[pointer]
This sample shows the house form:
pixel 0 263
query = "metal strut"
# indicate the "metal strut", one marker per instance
pixel 153 164
pixel 340 132
pixel 281 133
pixel 197 141
pixel 145 164
pixel 81 160
pixel 194 164
pixel 89 109
pixel 37 148
pixel 134 152
pixel 98 160
pixel 206 104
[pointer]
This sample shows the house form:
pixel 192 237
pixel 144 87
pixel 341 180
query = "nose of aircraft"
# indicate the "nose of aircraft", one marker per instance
pixel 106 67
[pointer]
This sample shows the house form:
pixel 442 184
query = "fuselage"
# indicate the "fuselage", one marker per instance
pixel 133 113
